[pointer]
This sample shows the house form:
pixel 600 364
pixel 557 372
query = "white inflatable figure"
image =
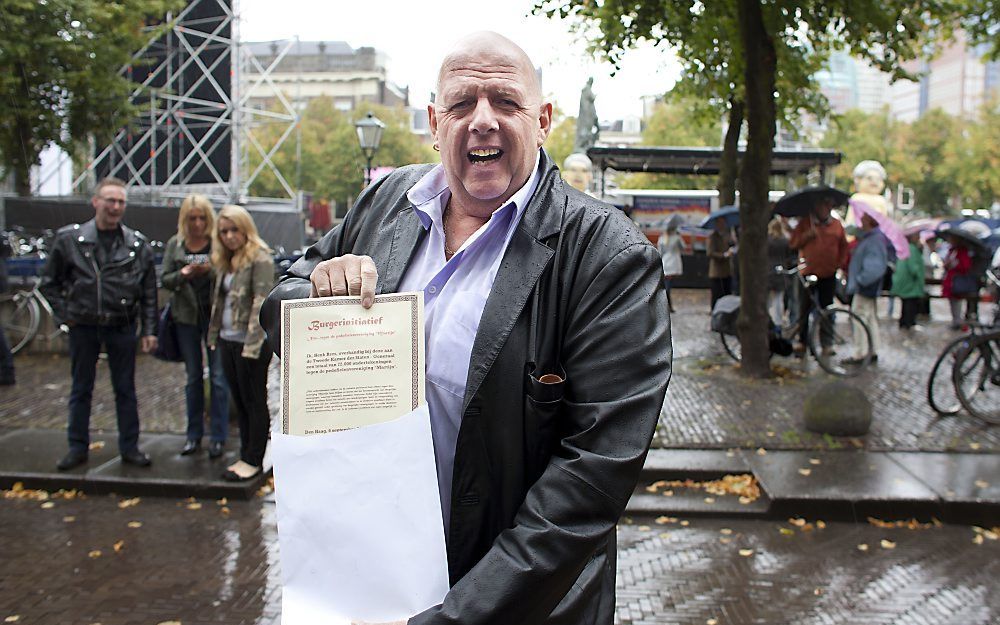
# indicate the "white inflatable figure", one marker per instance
pixel 869 185
pixel 577 170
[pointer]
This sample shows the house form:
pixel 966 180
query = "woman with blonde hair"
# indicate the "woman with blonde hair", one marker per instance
pixel 244 277
pixel 188 275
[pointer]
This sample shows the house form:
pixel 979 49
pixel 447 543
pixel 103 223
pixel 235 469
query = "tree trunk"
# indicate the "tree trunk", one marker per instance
pixel 23 159
pixel 729 165
pixel 761 65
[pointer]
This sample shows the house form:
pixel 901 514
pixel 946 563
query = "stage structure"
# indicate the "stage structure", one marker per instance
pixel 196 131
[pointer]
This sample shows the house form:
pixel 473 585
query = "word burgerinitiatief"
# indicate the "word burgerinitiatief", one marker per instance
pixel 315 324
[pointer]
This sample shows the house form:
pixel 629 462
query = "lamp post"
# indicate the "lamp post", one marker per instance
pixel 369 130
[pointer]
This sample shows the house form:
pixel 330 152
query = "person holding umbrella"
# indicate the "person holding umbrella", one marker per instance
pixel 822 245
pixel 720 250
pixel 961 278
pixel 670 246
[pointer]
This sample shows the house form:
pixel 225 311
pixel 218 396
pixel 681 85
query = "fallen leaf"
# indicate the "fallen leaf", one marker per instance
pixel 814 461
pixel 978 539
pixel 119 546
pixel 224 511
pixel 797 522
pixel 643 528
pixel 668 493
pixel 169 623
pixel 982 483
pixel 97 445
pixel 712 621
pixel 48 504
pixel 194 506
pixel 664 534
pixel 862 547
pixel 726 531
pixel 817 591
pixel 771 434
pixel 887 544
pixel 724 540
pixel 660 520
pixel 746 553
pixel 786 531
pixel 69 519
pixel 128 503
pixel 13 618
pixel 222 502
pixel 135 524
pixel 745 500
pixel 761 452
pixel 974 446
pixel 821 525
pixel 709 499
pixel 805 471
pixel 685 523
pixel 96 553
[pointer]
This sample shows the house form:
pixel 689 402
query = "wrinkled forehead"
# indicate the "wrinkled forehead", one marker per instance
pixel 497 70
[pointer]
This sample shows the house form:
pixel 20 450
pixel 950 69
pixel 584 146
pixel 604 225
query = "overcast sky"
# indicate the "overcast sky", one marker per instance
pixel 416 35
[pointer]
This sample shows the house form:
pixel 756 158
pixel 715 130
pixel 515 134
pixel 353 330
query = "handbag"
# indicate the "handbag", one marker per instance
pixel 168 348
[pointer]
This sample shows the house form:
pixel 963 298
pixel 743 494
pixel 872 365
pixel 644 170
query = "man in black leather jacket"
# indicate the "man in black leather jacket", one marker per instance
pixel 100 278
pixel 542 472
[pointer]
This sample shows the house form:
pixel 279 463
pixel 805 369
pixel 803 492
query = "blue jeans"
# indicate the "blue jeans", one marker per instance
pixel 190 339
pixel 84 347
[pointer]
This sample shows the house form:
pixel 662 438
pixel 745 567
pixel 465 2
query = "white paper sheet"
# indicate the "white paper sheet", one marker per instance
pixel 359 523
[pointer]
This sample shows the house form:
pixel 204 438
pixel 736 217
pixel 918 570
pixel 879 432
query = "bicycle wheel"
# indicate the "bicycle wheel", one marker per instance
pixel 19 317
pixel 941 393
pixel 976 376
pixel 732 345
pixel 840 342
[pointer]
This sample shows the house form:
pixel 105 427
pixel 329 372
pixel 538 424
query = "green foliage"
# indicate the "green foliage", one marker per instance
pixel 331 165
pixel 61 81
pixel 979 173
pixel 559 144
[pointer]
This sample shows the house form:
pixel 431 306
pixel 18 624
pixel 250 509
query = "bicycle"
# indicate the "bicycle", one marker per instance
pixel 958 361
pixel 831 329
pixel 21 314
pixel 976 377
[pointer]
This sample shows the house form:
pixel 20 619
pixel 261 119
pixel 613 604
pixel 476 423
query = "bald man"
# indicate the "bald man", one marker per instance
pixel 548 343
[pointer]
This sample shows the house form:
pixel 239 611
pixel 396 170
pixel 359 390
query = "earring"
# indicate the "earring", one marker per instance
pixel 437 148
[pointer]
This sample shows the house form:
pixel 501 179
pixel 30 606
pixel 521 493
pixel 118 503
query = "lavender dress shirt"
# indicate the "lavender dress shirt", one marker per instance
pixel 455 293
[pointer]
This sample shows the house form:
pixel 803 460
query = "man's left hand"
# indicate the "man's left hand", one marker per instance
pixel 148 343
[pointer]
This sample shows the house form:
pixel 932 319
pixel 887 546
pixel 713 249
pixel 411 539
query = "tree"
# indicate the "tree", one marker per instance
pixel 559 143
pixel 979 172
pixel 933 145
pixel 331 166
pixel 62 81
pixel 779 40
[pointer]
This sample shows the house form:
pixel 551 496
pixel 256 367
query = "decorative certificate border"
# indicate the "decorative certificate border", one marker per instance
pixel 286 317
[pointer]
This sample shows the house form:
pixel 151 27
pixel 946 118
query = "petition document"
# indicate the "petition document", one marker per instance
pixel 359 515
pixel 344 367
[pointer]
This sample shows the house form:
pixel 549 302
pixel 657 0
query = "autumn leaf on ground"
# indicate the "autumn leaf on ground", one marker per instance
pixel 745 500
pixel 169 623
pixel 96 445
pixel 805 471
pixel 746 553
pixel 821 525
pixel 863 547
pixel 128 503
pixel 982 483
pixel 96 553
pixel 13 618
pixel 991 534
pixel 761 451
pixel 978 539
pixel 726 531
pixel 798 522
pixel 135 524
pixel 665 519
pixel 222 502
pixel 224 510
pixel 643 528
pixel 709 499
pixel 118 546
pixel 910 524
pixel 712 621
pixel 814 461
pixel 887 544
pixel 194 505
pixel 667 493
pixel 69 519
pixel 685 523
pixel 974 446
pixel 48 504
pixel 785 531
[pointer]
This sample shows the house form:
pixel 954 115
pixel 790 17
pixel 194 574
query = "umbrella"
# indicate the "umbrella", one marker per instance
pixel 800 203
pixel 928 224
pixel 730 213
pixel 886 225
pixel 673 223
pixel 967 237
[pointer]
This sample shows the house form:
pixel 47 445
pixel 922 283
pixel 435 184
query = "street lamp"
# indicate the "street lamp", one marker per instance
pixel 369 130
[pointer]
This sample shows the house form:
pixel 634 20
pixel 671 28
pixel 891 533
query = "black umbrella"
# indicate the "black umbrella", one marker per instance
pixel 800 203
pixel 969 238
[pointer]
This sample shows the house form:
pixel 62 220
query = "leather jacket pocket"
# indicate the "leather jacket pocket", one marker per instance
pixel 542 404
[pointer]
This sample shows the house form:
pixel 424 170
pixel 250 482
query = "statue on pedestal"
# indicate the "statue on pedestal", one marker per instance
pixel 586 120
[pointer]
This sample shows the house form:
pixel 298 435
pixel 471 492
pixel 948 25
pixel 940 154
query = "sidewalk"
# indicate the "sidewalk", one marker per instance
pixel 911 463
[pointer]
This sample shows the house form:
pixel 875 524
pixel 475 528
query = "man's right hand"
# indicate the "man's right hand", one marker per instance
pixel 346 275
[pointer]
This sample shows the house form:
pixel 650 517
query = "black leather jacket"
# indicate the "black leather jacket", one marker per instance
pixel 541 477
pixel 122 292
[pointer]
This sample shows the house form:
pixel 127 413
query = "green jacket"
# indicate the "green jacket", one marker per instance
pixel 251 285
pixel 183 301
pixel 908 279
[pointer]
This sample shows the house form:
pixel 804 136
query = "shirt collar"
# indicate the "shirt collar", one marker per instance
pixel 431 194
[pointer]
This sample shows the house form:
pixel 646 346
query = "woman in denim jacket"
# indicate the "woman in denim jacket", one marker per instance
pixel 188 275
pixel 244 277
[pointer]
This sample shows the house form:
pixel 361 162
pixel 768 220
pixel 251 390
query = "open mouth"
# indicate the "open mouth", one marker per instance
pixel 484 155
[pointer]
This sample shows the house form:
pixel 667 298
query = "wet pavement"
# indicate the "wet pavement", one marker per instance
pixel 113 559
pixel 119 561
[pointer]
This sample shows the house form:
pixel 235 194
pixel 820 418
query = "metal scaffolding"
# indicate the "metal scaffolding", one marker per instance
pixel 196 131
